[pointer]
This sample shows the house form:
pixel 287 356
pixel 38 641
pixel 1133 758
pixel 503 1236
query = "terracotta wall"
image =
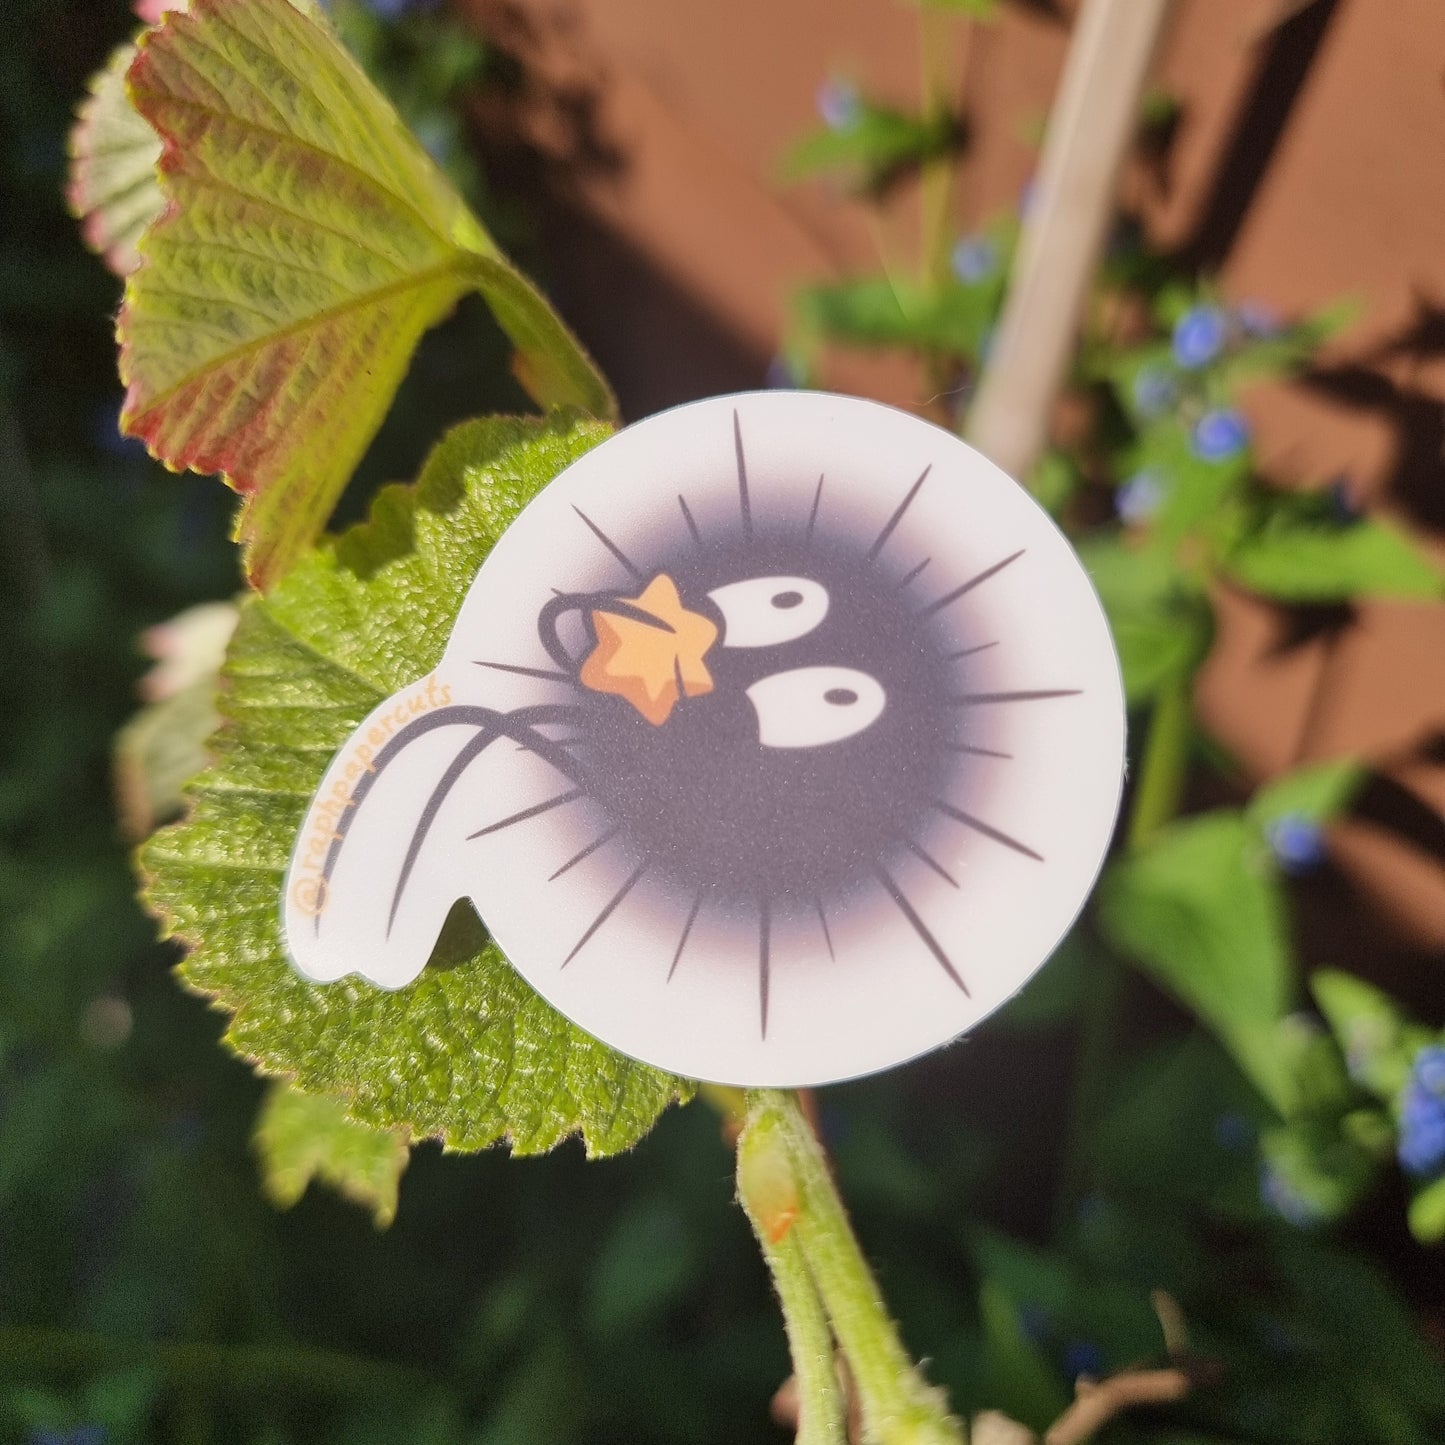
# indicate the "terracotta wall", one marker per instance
pixel 1309 164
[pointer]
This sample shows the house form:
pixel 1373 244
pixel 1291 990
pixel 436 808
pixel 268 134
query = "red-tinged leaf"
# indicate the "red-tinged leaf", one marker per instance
pixel 308 244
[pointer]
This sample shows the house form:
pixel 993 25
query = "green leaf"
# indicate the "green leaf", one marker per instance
pixel 1200 907
pixel 309 243
pixel 1427 1213
pixel 1018 1380
pixel 1377 1039
pixel 874 148
pixel 975 9
pixel 877 311
pixel 468 1053
pixel 645 1266
pixel 1318 793
pixel 301 1137
pixel 112 189
pixel 1299 558
pixel 1162 625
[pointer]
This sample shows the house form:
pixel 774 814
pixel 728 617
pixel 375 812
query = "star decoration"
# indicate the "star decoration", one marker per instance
pixel 651 664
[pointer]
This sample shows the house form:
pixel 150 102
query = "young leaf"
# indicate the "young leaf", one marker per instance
pixel 1200 907
pixel 874 147
pixel 1317 794
pixel 879 311
pixel 1377 1040
pixel 112 190
pixel 309 243
pixel 468 1052
pixel 301 1137
pixel 1298 559
pixel 1162 627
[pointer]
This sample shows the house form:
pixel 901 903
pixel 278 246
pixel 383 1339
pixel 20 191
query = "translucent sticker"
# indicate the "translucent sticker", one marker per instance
pixel 778 741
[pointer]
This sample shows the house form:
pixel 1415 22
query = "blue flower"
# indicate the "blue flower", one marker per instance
pixel 1258 319
pixel 1297 843
pixel 1083 1357
pixel 1232 1131
pixel 1154 390
pixel 1430 1068
pixel 780 375
pixel 1138 499
pixel 1220 435
pixel 1421 1148
pixel 975 258
pixel 395 9
pixel 1342 500
pixel 1199 336
pixel 839 104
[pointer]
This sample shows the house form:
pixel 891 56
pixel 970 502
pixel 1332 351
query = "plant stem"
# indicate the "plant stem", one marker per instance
pixel 768 1191
pixel 1164 764
pixel 897 1406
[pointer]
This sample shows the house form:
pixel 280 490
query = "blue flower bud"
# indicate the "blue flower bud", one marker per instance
pixel 1219 435
pixel 975 258
pixel 1154 391
pixel 839 104
pixel 1258 319
pixel 1083 1357
pixel 1199 336
pixel 1139 497
pixel 1297 842
pixel 1280 1195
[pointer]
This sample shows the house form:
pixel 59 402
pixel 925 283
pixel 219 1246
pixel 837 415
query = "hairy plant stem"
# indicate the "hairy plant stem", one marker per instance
pixel 790 1185
pixel 767 1188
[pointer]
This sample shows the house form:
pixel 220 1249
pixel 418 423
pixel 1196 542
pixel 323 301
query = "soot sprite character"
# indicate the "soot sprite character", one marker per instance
pixel 778 740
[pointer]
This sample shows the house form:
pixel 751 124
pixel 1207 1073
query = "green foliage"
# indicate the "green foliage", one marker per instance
pixel 311 243
pixel 872 146
pixel 1302 554
pixel 1160 618
pixel 468 1053
pixel 301 1137
pixel 1201 907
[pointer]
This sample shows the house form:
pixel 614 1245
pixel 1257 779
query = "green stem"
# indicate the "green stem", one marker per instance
pixel 1164 765
pixel 896 1404
pixel 768 1191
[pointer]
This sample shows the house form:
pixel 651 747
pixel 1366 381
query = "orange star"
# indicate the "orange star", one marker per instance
pixel 651 665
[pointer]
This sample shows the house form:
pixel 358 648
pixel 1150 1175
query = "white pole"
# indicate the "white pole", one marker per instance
pixel 1090 129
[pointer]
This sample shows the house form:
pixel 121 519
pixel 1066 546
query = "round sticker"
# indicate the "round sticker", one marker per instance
pixel 778 741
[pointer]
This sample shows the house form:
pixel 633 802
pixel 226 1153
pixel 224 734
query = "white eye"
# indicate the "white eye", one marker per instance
pixel 810 706
pixel 764 611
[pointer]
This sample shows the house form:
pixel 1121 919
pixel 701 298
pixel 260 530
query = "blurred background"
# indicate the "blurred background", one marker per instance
pixel 821 192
